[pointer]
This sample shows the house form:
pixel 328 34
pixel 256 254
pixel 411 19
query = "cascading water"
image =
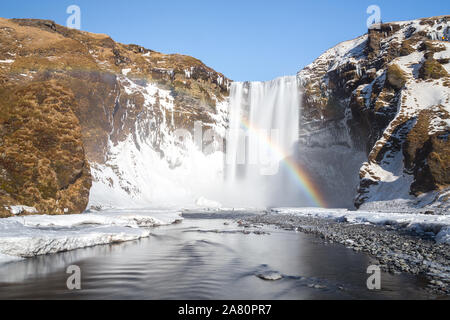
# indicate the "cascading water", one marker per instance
pixel 264 130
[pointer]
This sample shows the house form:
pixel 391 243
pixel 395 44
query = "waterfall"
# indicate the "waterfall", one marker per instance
pixel 264 130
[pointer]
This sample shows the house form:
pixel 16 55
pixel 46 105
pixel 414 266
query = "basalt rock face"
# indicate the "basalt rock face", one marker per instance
pixel 387 94
pixel 69 97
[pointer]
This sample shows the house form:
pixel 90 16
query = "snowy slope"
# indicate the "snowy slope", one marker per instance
pixel 392 180
pixel 150 167
pixel 356 86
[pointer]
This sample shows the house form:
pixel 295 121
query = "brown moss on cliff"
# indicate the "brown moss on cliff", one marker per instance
pixel 431 46
pixel 428 156
pixel 439 159
pixel 407 48
pixel 42 159
pixel 395 76
pixel 432 69
pixel 89 64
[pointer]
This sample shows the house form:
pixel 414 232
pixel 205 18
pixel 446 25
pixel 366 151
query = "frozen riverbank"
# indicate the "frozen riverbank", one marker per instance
pixel 414 243
pixel 29 236
pixel 209 258
pixel 436 226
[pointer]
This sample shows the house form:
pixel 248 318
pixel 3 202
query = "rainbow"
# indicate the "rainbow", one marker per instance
pixel 302 178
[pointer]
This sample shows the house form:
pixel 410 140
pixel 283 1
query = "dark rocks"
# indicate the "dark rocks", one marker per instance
pixel 42 24
pixel 119 58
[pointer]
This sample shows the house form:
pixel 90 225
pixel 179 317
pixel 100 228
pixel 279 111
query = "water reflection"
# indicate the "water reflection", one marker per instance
pixel 185 262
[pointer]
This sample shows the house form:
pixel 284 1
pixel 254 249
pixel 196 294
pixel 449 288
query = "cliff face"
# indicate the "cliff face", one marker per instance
pixel 89 122
pixel 387 94
pixel 42 159
pixel 69 98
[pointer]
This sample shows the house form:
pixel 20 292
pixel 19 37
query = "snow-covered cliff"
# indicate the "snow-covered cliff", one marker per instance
pixel 81 109
pixel 387 94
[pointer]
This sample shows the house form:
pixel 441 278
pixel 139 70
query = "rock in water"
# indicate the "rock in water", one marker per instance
pixel 270 276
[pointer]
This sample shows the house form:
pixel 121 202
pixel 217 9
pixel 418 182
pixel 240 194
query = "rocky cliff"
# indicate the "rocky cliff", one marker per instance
pixel 73 102
pixel 387 94
pixel 87 122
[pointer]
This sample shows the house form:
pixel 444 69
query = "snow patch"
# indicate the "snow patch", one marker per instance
pixel 206 203
pixel 125 72
pixel 15 210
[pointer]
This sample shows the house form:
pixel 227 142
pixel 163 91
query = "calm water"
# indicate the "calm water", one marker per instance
pixel 206 259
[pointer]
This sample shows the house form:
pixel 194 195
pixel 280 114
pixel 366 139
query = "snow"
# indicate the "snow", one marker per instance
pixel 351 50
pixel 125 72
pixel 143 178
pixel 15 210
pixel 421 223
pixel 151 168
pixel 444 55
pixel 7 61
pixel 392 183
pixel 25 237
pixel 206 203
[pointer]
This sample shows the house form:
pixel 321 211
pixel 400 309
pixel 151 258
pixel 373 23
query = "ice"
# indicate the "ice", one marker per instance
pixel 29 236
pixel 21 209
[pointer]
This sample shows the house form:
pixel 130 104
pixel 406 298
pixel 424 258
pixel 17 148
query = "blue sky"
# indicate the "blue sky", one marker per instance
pixel 245 40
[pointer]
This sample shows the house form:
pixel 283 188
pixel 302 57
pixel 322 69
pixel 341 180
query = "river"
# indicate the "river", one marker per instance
pixel 205 258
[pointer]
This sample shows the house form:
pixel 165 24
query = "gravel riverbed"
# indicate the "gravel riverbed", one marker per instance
pixel 395 249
